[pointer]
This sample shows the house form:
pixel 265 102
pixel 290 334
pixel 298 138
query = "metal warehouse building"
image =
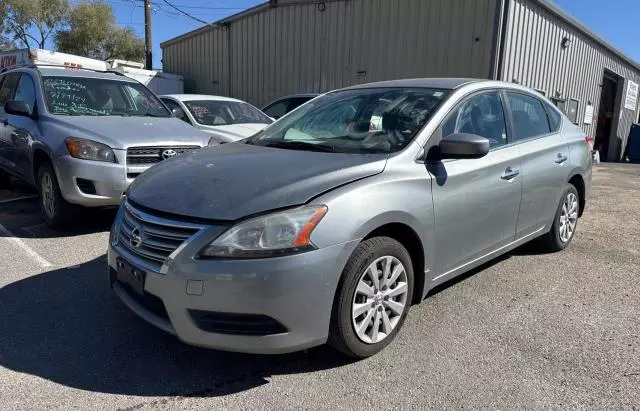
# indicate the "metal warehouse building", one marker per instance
pixel 292 46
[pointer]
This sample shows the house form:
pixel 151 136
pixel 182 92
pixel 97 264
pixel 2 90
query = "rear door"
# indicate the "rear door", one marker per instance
pixel 544 154
pixel 476 201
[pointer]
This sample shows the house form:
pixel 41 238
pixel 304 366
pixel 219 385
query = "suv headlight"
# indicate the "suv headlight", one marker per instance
pixel 89 150
pixel 281 233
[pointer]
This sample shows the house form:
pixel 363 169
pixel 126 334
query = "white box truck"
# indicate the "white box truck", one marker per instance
pixel 157 81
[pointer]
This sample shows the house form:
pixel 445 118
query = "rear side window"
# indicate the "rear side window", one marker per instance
pixel 529 116
pixel 8 89
pixel 554 118
pixel 277 110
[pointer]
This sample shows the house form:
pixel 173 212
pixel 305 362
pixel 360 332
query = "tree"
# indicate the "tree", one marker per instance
pixel 32 22
pixel 92 32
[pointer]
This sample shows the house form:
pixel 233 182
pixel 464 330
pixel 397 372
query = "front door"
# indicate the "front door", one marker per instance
pixel 21 128
pixel 476 201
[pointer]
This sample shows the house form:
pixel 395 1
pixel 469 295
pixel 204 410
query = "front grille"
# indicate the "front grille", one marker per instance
pixel 152 155
pixel 154 238
pixel 236 324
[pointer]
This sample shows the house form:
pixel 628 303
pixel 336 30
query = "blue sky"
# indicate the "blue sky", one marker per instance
pixel 614 20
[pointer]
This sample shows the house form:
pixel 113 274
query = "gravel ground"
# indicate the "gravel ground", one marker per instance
pixel 528 330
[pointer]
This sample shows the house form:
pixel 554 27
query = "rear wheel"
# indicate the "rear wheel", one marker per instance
pixel 373 298
pixel 565 222
pixel 57 212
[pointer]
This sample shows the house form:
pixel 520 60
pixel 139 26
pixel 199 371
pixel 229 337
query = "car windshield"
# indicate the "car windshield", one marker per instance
pixel 100 97
pixel 376 120
pixel 222 113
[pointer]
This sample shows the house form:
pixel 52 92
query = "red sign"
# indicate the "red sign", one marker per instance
pixel 8 61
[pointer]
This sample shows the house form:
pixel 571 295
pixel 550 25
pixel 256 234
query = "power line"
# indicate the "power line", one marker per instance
pixel 186 14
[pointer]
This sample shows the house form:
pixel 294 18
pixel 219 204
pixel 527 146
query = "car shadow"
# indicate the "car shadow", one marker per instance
pixel 66 326
pixel 23 218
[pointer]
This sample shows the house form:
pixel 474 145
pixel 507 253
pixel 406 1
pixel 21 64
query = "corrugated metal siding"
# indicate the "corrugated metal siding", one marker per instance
pixel 533 56
pixel 202 60
pixel 299 48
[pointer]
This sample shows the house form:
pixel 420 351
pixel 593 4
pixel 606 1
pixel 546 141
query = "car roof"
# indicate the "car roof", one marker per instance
pixel 299 95
pixel 65 72
pixel 441 83
pixel 190 97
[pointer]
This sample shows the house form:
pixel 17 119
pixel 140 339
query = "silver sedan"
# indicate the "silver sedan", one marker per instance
pixel 328 224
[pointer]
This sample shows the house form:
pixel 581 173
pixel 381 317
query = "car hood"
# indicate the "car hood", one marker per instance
pixel 234 132
pixel 123 132
pixel 231 181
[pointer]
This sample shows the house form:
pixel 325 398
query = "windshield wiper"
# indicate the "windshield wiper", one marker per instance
pixel 301 145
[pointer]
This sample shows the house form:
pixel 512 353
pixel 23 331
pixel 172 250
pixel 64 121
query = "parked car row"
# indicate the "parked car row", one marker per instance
pixel 324 226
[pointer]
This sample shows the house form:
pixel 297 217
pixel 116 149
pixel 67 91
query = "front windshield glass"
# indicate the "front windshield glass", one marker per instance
pixel 100 97
pixel 376 120
pixel 222 113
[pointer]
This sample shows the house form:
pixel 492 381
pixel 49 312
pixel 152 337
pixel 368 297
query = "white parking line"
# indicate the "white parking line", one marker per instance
pixel 13 239
pixel 10 200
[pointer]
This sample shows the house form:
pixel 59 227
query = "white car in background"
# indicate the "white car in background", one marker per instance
pixel 226 119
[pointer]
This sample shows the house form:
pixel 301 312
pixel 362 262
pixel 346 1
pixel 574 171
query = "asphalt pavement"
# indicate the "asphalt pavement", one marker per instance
pixel 528 330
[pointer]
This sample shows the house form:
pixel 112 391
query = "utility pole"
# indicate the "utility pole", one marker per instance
pixel 148 48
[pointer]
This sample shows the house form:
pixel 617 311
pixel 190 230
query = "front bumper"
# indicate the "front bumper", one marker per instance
pixel 109 179
pixel 296 291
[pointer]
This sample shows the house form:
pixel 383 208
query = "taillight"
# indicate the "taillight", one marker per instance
pixel 589 141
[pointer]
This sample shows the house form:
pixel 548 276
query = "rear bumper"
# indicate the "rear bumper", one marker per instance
pixel 295 292
pixel 109 179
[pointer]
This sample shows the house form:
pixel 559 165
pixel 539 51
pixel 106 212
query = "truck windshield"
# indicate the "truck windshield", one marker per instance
pixel 221 113
pixel 375 120
pixel 100 97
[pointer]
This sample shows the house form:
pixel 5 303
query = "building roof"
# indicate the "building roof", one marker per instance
pixel 442 83
pixel 547 4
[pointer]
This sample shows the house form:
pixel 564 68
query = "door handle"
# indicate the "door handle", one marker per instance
pixel 561 158
pixel 510 173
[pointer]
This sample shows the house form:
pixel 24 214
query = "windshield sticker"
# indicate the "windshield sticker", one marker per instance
pixel 65 96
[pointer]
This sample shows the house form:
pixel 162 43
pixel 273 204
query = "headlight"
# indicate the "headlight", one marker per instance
pixel 89 150
pixel 282 233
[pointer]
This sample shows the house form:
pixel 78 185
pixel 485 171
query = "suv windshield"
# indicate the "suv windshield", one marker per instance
pixel 100 97
pixel 376 120
pixel 222 113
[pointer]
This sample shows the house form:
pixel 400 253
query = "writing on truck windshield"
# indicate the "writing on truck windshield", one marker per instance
pixel 99 97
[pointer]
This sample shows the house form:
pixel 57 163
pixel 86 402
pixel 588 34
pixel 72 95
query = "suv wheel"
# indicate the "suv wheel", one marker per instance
pixel 565 221
pixel 57 212
pixel 373 298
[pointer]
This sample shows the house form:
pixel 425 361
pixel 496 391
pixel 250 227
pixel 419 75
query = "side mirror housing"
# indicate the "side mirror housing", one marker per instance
pixel 460 145
pixel 178 113
pixel 17 108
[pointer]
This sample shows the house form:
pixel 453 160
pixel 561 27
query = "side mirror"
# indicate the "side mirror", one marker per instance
pixel 178 113
pixel 17 108
pixel 460 145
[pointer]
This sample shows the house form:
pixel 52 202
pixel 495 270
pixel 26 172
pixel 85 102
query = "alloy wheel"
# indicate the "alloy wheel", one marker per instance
pixel 568 217
pixel 48 195
pixel 380 299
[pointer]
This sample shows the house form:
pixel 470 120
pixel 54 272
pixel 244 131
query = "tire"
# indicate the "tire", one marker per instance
pixel 57 212
pixel 5 180
pixel 555 240
pixel 376 252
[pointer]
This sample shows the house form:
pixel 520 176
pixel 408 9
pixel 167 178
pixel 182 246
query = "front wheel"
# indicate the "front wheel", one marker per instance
pixel 373 298
pixel 57 212
pixel 565 221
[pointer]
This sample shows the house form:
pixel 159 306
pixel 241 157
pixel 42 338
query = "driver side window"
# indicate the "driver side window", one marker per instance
pixel 482 115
